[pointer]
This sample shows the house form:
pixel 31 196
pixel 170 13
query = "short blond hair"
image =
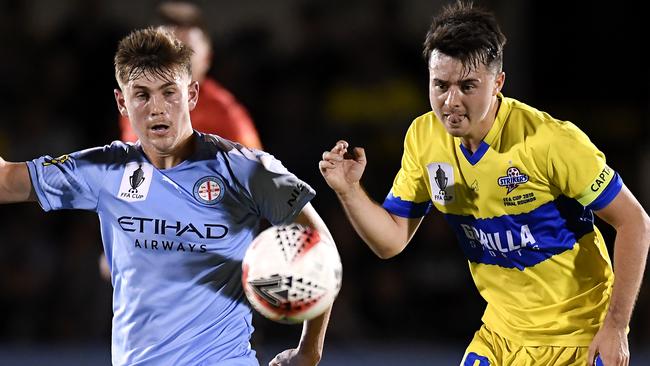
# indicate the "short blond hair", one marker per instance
pixel 151 52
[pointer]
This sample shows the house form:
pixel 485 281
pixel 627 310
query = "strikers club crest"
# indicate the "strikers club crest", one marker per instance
pixel 209 190
pixel 513 178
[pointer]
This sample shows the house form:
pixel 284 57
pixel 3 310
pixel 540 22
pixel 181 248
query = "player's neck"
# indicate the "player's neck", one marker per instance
pixel 473 140
pixel 170 159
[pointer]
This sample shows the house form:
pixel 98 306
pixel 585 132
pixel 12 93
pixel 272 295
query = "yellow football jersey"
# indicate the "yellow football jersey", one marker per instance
pixel 522 209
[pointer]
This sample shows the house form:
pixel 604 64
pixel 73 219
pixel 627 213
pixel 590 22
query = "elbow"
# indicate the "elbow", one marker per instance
pixel 389 252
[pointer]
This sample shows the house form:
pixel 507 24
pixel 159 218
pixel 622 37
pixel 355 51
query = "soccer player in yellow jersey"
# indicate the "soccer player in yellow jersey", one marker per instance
pixel 519 188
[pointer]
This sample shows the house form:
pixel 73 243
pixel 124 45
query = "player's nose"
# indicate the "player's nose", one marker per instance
pixel 453 98
pixel 157 105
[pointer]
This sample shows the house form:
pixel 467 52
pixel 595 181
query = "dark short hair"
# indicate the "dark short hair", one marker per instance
pixel 152 52
pixel 467 33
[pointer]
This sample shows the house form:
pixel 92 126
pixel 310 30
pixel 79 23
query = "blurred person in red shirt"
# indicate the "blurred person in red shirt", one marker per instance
pixel 217 111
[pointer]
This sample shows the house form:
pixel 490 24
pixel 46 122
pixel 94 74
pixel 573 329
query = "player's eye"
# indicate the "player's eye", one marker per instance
pixel 141 96
pixel 468 87
pixel 169 92
pixel 440 85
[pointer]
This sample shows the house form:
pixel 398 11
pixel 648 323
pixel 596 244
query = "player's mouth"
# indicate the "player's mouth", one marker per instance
pixel 159 129
pixel 454 119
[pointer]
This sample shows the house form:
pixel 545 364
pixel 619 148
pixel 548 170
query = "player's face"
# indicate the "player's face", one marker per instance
pixel 465 103
pixel 159 110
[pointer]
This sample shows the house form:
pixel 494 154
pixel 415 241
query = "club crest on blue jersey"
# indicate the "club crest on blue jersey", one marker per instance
pixel 209 190
pixel 513 178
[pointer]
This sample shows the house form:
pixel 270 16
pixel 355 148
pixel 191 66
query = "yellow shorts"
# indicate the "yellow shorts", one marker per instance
pixel 489 349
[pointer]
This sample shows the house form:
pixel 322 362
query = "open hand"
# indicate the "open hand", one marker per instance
pixel 341 168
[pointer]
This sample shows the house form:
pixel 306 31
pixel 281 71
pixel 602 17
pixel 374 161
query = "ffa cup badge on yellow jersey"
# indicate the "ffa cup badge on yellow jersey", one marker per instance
pixel 441 179
pixel 135 182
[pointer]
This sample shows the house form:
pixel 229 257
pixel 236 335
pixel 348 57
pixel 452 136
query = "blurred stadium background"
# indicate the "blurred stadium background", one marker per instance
pixel 309 72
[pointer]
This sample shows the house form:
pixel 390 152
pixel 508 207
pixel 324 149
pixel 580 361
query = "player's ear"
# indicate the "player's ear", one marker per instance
pixel 193 94
pixel 500 80
pixel 121 104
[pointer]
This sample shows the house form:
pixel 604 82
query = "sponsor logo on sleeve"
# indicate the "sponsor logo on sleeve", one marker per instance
pixel 60 160
pixel 295 193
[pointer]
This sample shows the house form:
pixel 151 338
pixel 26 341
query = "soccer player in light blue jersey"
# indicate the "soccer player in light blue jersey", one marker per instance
pixel 177 210
pixel 519 188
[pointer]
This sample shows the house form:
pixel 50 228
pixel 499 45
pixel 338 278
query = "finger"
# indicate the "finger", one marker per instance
pixel 325 166
pixel 359 154
pixel 340 146
pixel 591 355
pixel 327 155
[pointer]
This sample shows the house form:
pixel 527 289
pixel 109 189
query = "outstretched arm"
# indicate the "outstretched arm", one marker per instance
pixel 310 348
pixel 15 184
pixel 386 234
pixel 632 226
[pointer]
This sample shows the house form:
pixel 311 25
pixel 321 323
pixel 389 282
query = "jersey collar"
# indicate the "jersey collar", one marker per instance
pixel 500 120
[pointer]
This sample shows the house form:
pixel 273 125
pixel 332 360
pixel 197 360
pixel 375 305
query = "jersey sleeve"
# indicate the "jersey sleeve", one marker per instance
pixel 409 196
pixel 579 169
pixel 70 181
pixel 277 193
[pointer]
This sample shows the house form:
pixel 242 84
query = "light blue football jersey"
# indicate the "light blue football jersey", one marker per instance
pixel 175 239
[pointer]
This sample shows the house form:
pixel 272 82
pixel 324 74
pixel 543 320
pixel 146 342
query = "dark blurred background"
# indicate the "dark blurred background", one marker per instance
pixel 309 72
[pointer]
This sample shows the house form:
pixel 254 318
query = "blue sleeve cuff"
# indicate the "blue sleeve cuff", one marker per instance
pixel 33 176
pixel 612 189
pixel 408 209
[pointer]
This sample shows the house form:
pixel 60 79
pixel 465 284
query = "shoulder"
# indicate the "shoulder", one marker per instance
pixel 538 124
pixel 231 151
pixel 426 124
pixel 115 152
pixel 426 130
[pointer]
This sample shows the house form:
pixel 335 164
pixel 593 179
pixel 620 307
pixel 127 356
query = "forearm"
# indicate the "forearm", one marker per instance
pixel 373 223
pixel 15 184
pixel 630 255
pixel 313 331
pixel 313 335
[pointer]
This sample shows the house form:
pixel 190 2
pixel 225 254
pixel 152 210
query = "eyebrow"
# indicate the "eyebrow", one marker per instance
pixel 468 80
pixel 165 85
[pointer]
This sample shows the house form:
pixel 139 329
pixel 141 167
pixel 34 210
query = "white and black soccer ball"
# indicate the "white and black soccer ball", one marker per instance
pixel 291 273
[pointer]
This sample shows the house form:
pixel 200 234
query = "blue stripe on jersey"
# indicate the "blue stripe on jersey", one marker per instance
pixel 472 357
pixel 524 240
pixel 607 196
pixel 399 207
pixel 475 157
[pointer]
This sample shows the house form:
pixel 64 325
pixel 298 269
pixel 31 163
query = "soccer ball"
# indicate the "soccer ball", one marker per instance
pixel 291 273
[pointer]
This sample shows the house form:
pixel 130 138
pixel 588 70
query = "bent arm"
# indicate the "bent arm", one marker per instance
pixel 313 331
pixel 15 184
pixel 386 234
pixel 631 245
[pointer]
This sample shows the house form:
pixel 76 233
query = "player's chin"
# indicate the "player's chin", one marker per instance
pixel 456 130
pixel 161 143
